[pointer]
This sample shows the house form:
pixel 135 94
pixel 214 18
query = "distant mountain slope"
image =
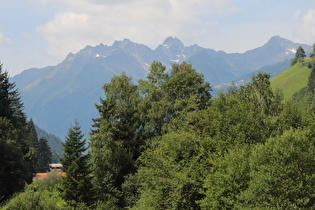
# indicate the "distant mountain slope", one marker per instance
pixel 56 95
pixel 293 79
pixel 53 141
pixel 217 70
pixel 277 49
pixel 273 70
pixel 276 69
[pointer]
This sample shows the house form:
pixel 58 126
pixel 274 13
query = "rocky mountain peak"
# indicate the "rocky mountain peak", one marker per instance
pixel 277 40
pixel 76 83
pixel 121 44
pixel 171 41
pixel 173 44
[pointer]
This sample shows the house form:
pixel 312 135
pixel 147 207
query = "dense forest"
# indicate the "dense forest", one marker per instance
pixel 22 153
pixel 166 143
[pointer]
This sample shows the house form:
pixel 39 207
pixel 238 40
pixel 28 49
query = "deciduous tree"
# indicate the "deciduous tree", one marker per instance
pixel 117 138
pixel 282 173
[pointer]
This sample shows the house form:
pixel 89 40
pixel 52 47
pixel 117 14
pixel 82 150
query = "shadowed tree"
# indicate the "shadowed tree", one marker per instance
pixel 44 155
pixel 17 139
pixel 76 186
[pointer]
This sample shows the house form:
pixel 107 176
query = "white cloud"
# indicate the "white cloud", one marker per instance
pixel 90 22
pixel 307 29
pixel 4 40
pixel 296 15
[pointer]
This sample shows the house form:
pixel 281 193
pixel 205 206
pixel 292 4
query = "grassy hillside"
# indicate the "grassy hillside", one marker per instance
pixel 293 79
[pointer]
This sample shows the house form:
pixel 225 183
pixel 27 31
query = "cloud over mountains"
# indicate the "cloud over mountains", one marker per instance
pixel 43 32
pixel 148 22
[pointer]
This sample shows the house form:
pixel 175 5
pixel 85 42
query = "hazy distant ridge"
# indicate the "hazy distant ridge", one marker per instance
pixel 55 95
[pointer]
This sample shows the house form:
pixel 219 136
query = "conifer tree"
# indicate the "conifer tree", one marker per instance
pixel 12 168
pixel 299 54
pixel 31 149
pixel 44 155
pixel 16 166
pixel 76 185
pixel 11 106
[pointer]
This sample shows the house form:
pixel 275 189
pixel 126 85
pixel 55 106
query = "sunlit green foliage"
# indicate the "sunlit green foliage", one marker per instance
pixel 282 173
pixel 41 194
pixel 167 144
pixel 172 174
pixel 116 139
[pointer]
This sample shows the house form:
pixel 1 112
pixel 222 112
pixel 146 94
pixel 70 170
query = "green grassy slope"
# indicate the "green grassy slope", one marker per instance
pixel 292 80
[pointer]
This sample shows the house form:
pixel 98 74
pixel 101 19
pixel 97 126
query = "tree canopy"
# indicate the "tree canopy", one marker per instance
pixel 299 54
pixel 18 141
pixel 166 143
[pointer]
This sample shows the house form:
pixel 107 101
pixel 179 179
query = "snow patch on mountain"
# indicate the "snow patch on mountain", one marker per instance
pixel 290 50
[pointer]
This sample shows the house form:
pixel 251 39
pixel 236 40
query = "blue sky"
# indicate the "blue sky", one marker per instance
pixel 38 33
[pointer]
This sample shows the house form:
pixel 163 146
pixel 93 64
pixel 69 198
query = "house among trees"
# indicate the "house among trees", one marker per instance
pixel 55 167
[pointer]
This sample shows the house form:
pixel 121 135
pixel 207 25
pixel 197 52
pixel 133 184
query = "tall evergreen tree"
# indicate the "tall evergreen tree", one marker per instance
pixel 17 163
pixel 76 185
pixel 44 155
pixel 12 168
pixel 299 54
pixel 31 149
pixel 11 106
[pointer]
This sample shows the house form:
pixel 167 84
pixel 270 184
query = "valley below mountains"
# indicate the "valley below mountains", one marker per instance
pixel 54 96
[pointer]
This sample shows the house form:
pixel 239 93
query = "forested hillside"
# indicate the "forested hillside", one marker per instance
pixel 166 143
pixel 22 153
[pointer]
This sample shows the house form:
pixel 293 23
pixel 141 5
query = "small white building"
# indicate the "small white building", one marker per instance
pixel 55 167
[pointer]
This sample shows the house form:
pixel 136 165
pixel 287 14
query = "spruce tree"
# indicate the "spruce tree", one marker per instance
pixel 44 155
pixel 76 185
pixel 31 149
pixel 12 168
pixel 299 54
pixel 11 106
pixel 17 164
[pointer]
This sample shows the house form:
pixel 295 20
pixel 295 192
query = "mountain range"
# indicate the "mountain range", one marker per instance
pixel 56 95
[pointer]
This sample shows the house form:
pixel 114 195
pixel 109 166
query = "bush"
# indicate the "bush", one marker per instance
pixel 41 194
